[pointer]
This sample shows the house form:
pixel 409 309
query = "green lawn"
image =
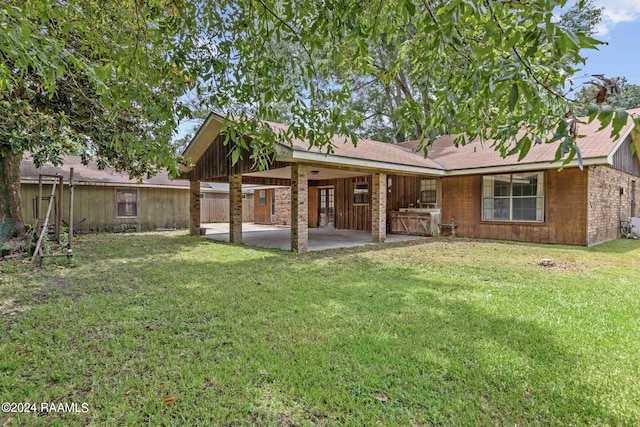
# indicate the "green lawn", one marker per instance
pixel 431 333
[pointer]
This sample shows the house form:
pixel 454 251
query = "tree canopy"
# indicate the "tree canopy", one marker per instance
pixel 105 78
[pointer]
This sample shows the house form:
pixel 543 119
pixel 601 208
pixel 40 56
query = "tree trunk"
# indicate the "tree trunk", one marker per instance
pixel 10 202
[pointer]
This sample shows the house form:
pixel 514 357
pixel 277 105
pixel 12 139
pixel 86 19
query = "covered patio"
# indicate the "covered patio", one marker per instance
pixel 279 237
pixel 336 200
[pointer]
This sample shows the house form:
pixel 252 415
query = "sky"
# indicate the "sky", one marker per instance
pixel 620 29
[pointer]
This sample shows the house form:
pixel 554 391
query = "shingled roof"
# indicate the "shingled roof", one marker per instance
pixel 365 149
pixel 90 175
pixel 595 145
pixel 443 156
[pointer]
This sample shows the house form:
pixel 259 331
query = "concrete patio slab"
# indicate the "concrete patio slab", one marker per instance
pixel 279 237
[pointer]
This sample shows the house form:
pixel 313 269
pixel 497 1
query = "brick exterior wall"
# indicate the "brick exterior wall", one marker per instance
pixel 283 206
pixel 299 208
pixel 235 208
pixel 606 206
pixel 194 208
pixel 379 207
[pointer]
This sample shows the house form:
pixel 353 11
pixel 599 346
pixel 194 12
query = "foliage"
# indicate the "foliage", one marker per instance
pixel 166 329
pixel 104 78
pixel 628 98
pixel 582 17
pixel 382 102
pixel 474 69
pixel 90 77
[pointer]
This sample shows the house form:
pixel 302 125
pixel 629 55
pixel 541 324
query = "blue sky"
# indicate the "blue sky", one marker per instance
pixel 621 30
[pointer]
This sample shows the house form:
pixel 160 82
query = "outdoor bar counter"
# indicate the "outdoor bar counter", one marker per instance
pixel 414 221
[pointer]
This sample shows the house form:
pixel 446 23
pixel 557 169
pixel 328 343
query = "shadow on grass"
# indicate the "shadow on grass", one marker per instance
pixel 333 336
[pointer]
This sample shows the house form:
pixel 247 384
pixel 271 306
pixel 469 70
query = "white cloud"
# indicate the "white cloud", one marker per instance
pixel 616 11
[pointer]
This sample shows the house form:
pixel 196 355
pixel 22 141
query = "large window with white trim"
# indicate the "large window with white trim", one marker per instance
pixel 517 197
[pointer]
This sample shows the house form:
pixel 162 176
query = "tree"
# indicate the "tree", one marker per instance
pixel 104 77
pixel 382 102
pixel 624 95
pixel 86 77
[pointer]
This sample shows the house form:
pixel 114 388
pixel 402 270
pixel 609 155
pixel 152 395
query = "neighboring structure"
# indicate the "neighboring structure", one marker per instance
pixel 110 201
pixel 383 188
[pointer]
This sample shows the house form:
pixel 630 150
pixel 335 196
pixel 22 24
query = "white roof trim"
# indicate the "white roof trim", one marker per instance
pixel 195 150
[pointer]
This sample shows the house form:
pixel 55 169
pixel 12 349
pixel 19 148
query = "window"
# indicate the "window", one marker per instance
pixel 126 203
pixel 262 198
pixel 514 197
pixel 361 193
pixel 428 191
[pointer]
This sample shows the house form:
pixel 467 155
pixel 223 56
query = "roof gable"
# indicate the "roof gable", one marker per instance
pixel 596 147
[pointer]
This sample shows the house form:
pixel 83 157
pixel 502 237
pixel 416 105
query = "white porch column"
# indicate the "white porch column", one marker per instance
pixel 299 208
pixel 235 208
pixel 379 207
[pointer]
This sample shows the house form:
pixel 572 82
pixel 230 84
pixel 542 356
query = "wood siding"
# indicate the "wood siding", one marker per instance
pixel 216 163
pixel 405 191
pixel 157 207
pixel 349 216
pixel 565 213
pixel 314 209
pixel 214 207
pixel 624 160
pixel 262 213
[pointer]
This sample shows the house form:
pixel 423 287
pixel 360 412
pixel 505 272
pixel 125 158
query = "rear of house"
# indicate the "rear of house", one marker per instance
pixel 470 190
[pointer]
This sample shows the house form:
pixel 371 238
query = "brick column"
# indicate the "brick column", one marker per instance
pixel 379 207
pixel 194 208
pixel 299 208
pixel 235 208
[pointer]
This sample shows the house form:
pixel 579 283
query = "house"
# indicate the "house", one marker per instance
pixel 105 200
pixel 470 190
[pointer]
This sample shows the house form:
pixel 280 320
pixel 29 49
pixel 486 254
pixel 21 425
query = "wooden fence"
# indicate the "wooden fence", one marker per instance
pixel 217 209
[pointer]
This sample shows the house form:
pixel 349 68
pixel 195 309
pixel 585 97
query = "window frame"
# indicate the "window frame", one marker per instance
pixel 487 201
pixel 136 203
pixel 361 194
pixel 262 197
pixel 431 182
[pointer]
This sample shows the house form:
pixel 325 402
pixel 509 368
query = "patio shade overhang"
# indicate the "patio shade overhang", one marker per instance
pixel 346 159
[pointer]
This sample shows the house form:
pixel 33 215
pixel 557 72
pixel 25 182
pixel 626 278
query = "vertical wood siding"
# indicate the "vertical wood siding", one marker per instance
pixel 214 207
pixel 313 206
pixel 262 213
pixel 157 207
pixel 347 215
pixel 626 161
pixel 565 216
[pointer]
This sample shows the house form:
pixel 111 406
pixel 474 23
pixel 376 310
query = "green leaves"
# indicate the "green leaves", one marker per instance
pixel 513 96
pixel 117 70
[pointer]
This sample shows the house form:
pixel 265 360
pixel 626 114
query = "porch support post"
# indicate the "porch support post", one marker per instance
pixel 235 208
pixel 299 208
pixel 194 208
pixel 379 207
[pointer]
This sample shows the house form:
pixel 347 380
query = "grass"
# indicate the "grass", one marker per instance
pixel 167 329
